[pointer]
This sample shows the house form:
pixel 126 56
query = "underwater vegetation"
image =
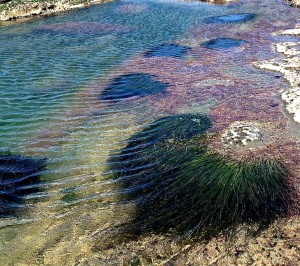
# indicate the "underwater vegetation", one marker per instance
pixel 168 50
pixel 19 176
pixel 146 153
pixel 232 18
pixel 223 43
pixel 130 85
pixel 180 185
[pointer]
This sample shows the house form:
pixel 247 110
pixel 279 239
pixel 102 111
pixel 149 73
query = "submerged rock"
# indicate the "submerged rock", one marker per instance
pixel 130 85
pixel 179 184
pixel 168 50
pixel 232 18
pixel 223 43
pixel 19 176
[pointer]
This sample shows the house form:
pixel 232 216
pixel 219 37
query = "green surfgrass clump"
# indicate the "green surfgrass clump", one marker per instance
pixel 179 184
pixel 211 194
pixel 151 153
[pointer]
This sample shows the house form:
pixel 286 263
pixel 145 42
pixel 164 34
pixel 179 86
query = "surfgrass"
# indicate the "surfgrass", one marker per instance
pixel 178 184
pixel 211 194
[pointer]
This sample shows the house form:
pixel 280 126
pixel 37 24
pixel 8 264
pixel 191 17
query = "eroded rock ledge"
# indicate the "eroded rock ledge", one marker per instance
pixel 10 10
pixel 289 67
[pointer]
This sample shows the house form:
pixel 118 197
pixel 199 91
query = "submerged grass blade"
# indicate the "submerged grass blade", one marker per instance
pixel 194 190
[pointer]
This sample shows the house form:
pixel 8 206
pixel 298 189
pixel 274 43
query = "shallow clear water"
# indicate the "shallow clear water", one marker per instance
pixel 53 72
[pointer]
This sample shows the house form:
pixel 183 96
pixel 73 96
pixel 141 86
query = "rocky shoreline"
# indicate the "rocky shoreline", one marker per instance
pixel 288 66
pixel 15 10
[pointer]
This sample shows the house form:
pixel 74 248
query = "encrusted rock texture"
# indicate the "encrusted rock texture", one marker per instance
pixel 27 9
pixel 242 133
pixel 289 67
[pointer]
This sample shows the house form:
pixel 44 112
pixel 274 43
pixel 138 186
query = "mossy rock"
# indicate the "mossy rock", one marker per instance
pixel 179 184
pixel 19 176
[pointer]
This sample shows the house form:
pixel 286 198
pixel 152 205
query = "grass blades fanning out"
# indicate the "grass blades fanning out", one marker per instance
pixel 154 151
pixel 180 185
pixel 211 194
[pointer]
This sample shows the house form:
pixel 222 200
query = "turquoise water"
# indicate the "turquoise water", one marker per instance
pixel 41 71
pixel 53 71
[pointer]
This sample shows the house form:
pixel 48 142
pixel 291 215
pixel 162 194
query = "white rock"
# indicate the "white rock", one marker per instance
pixel 241 133
pixel 297 116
